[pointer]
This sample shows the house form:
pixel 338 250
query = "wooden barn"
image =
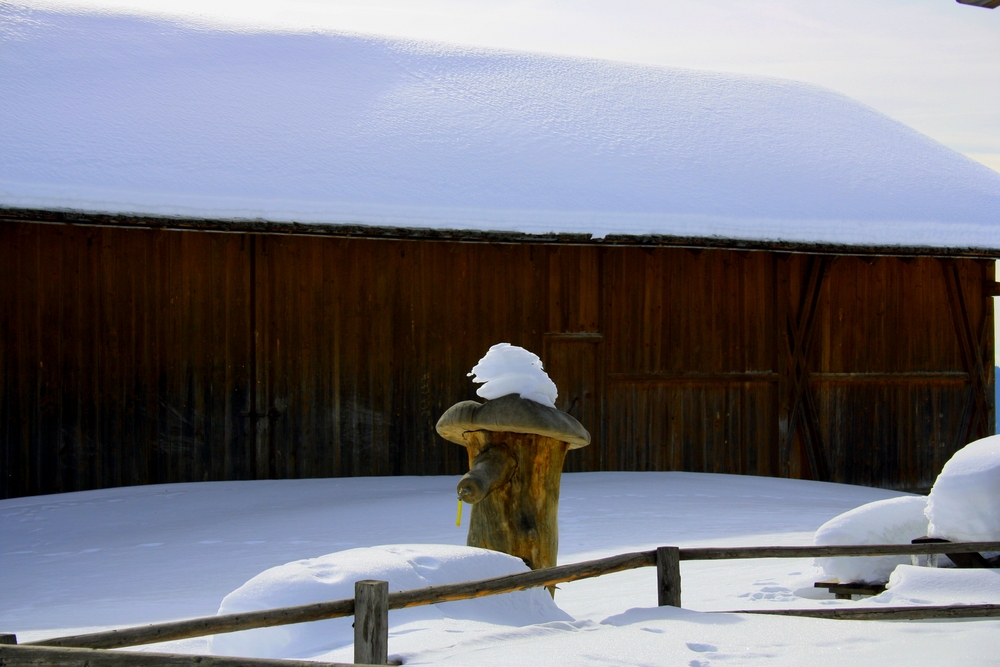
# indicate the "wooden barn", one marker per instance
pixel 786 284
pixel 141 351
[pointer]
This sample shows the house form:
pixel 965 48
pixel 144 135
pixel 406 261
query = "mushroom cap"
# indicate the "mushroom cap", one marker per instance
pixel 511 414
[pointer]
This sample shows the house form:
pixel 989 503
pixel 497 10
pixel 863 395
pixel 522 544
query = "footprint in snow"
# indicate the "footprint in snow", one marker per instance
pixel 701 648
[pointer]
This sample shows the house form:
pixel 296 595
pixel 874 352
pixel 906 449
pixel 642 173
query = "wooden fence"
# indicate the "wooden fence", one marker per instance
pixel 372 602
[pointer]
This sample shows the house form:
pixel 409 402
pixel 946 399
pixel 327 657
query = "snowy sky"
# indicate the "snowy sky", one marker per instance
pixel 932 64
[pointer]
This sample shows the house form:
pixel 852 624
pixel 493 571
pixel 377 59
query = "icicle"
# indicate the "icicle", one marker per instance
pixel 458 519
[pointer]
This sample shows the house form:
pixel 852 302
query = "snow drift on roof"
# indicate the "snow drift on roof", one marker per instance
pixel 129 115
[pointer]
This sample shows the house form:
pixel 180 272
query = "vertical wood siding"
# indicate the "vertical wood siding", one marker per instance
pixel 133 356
pixel 892 389
pixel 125 357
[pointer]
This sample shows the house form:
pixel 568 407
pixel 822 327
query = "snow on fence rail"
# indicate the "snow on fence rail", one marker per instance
pixel 371 629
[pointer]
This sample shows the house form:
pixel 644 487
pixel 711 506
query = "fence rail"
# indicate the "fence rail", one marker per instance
pixel 665 559
pixel 922 548
pixel 47 656
pixel 883 613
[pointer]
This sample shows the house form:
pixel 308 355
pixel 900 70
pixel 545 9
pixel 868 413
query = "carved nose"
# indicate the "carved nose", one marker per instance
pixel 471 489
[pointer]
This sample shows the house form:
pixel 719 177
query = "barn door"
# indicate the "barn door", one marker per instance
pixel 799 285
pixel 573 344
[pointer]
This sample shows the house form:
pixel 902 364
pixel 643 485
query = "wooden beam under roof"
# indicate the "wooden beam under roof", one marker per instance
pixel 989 4
pixel 258 226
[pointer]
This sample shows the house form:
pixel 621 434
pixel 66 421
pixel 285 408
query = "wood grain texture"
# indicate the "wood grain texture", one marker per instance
pixel 726 553
pixel 371 622
pixel 883 613
pixel 202 627
pixel 520 513
pixel 668 577
pixel 137 355
pixel 44 656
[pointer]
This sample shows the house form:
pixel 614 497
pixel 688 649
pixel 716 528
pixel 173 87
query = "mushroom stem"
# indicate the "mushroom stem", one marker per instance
pixel 516 449
pixel 520 516
pixel 491 468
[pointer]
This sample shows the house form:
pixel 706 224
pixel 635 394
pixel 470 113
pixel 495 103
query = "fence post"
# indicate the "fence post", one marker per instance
pixel 8 639
pixel 668 576
pixel 371 622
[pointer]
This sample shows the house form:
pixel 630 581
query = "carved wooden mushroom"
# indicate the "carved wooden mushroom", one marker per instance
pixel 516 451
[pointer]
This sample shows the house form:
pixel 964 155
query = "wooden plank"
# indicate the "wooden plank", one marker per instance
pixel 371 622
pixel 575 365
pixel 963 560
pixel 888 418
pixel 668 577
pixel 800 326
pixel 204 626
pixel 725 553
pixel 45 656
pixel 882 613
pixel 695 378
pixel 846 591
pixel 892 378
pixel 687 369
pixel 8 439
pixel 514 582
pixel 783 365
pixel 972 344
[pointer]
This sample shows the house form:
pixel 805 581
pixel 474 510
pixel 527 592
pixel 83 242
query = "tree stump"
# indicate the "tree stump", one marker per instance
pixel 516 451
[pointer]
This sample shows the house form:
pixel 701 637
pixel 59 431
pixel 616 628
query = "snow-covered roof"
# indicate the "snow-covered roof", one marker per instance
pixel 123 114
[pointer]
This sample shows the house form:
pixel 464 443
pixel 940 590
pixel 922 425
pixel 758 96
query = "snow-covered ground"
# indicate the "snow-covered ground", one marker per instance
pixel 100 559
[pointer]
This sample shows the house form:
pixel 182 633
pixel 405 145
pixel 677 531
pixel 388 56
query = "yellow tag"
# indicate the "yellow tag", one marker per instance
pixel 458 519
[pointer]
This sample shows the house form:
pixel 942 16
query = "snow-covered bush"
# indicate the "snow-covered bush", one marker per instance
pixel 892 521
pixel 404 566
pixel 508 369
pixel 964 504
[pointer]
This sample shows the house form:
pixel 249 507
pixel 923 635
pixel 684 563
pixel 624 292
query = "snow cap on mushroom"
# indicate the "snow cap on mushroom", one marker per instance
pixel 520 399
pixel 509 369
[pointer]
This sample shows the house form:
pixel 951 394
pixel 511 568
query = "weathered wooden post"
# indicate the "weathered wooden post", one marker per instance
pixel 371 622
pixel 668 576
pixel 516 451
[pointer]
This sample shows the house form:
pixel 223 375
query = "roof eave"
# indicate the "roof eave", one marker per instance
pixel 258 226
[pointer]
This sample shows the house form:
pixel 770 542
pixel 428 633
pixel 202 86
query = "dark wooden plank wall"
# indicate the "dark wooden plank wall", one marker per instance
pixel 363 345
pixel 690 356
pixel 125 357
pixel 135 356
pixel 893 391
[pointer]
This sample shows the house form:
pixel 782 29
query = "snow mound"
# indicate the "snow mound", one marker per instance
pixel 509 369
pixel 964 504
pixel 404 566
pixel 892 521
pixel 938 586
pixel 124 114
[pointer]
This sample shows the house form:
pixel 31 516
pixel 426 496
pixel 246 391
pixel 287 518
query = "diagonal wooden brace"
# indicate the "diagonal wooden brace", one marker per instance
pixel 800 324
pixel 974 349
